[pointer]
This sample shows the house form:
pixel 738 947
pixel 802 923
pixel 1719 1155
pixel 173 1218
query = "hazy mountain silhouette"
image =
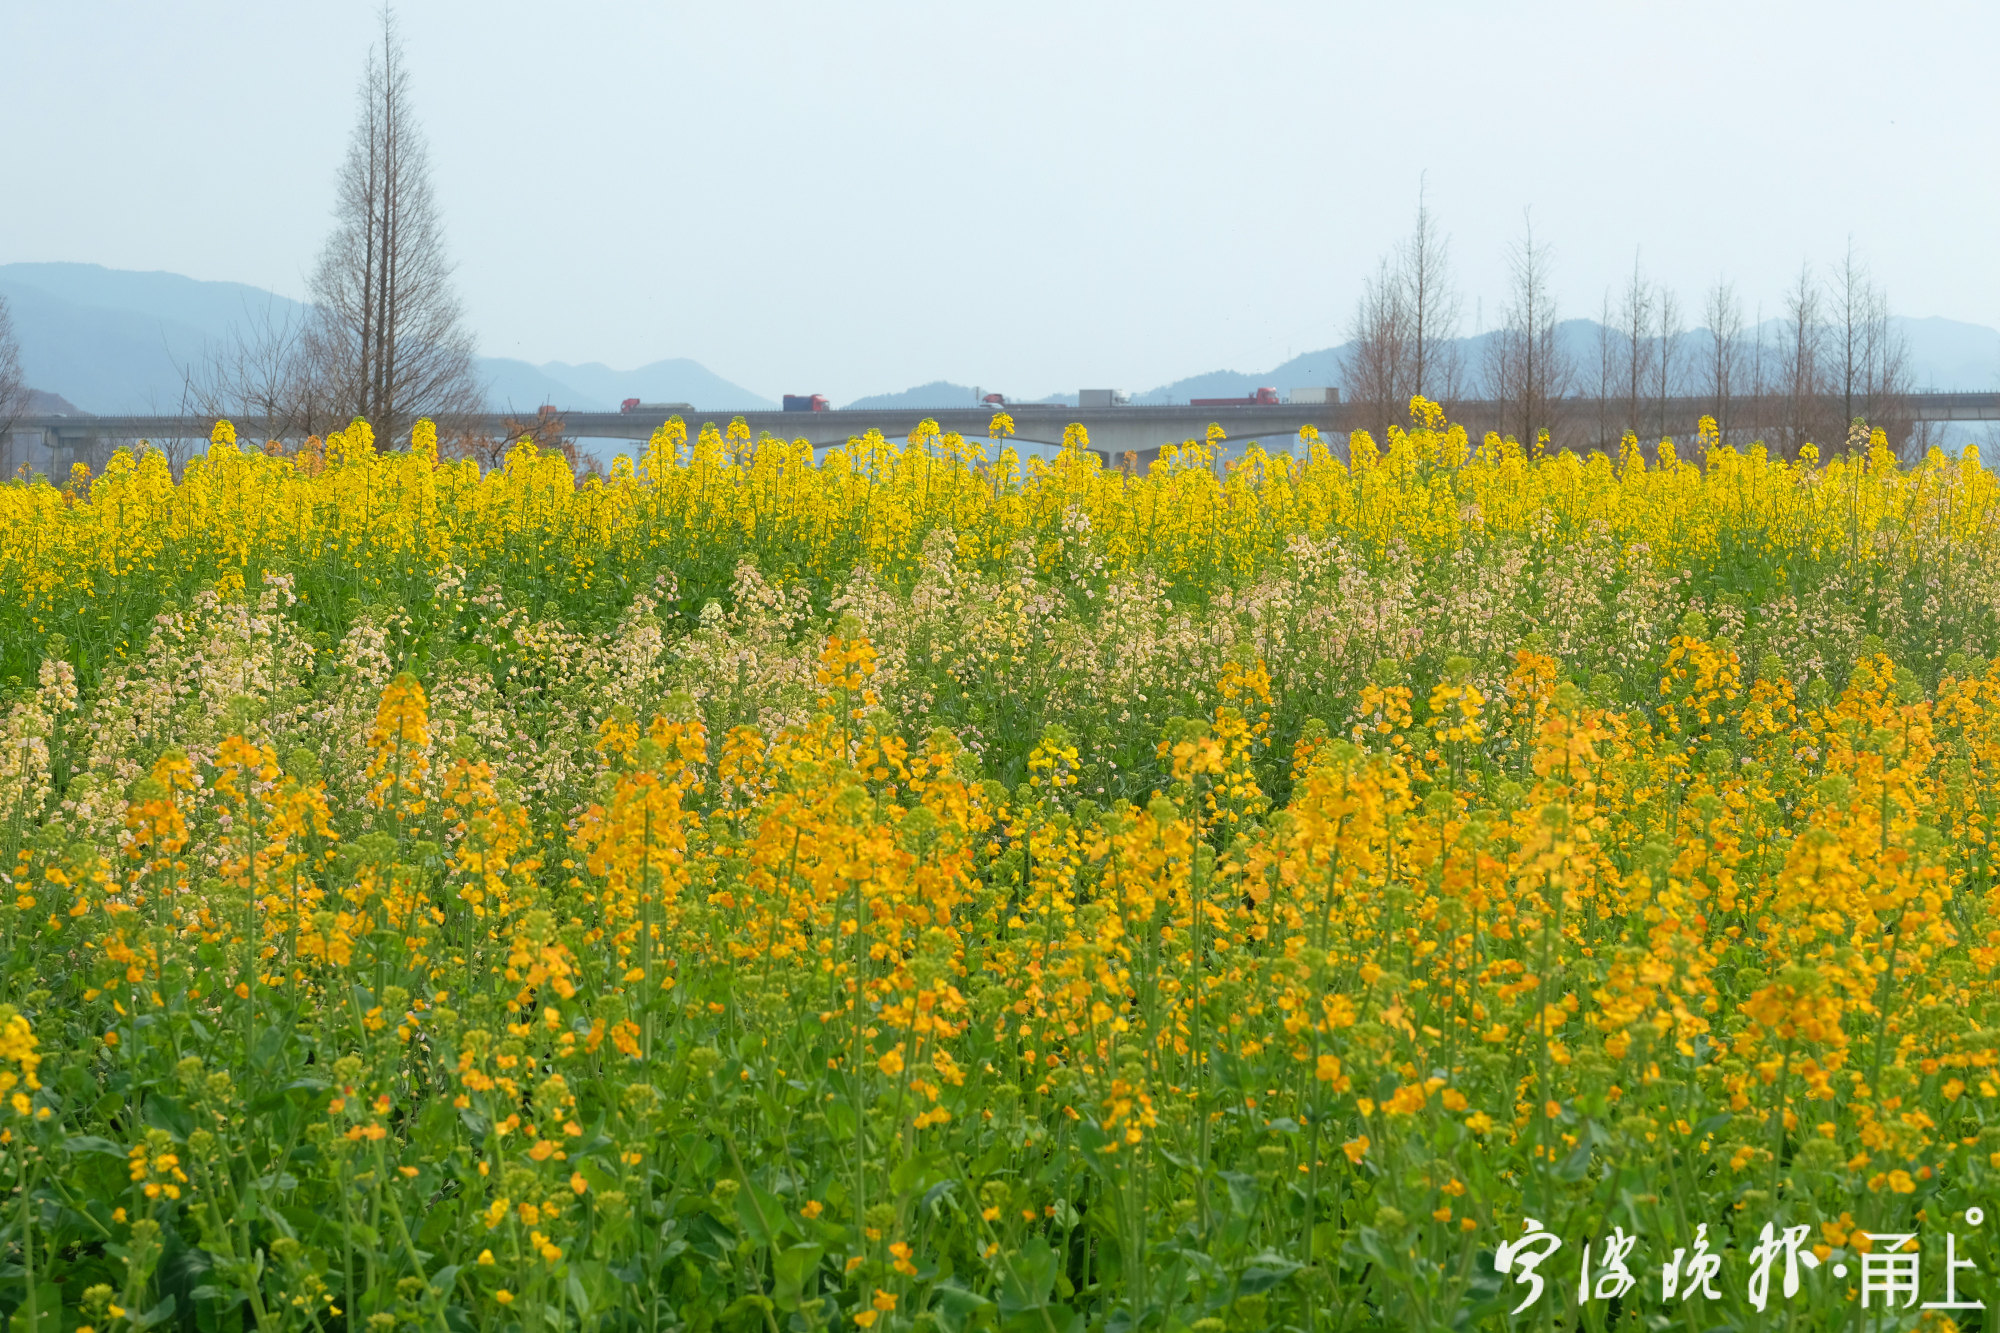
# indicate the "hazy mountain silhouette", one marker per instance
pixel 938 393
pixel 676 380
pixel 40 404
pixel 115 340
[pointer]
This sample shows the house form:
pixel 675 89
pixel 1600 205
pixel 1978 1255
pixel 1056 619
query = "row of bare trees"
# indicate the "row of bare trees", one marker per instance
pixel 383 337
pixel 1404 340
pixel 13 385
pixel 1830 357
pixel 1528 370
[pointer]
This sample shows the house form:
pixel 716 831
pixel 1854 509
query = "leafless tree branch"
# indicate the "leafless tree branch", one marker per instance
pixel 1527 369
pixel 389 342
pixel 13 383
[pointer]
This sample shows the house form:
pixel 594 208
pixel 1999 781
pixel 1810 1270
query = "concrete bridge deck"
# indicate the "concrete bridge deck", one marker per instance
pixel 49 444
pixel 1112 429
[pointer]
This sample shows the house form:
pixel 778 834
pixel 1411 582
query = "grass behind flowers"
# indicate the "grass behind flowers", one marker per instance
pixel 911 891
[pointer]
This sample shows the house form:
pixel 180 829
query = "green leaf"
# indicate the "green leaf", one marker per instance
pixel 578 1297
pixel 158 1315
pixel 91 1143
pixel 792 1267
pixel 920 1173
pixel 48 1311
pixel 956 1307
pixel 761 1214
pixel 1244 1192
pixel 164 1112
pixel 1266 1271
pixel 1028 1277
pixel 997 1155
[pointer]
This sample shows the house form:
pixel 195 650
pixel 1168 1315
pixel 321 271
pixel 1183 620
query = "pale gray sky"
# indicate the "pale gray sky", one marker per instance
pixel 848 198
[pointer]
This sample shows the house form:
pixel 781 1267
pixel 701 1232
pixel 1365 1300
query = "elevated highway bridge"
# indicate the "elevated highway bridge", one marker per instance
pixel 50 444
pixel 1113 430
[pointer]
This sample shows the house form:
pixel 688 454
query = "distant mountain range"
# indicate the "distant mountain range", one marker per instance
pixel 112 340
pixel 116 341
pixel 39 404
pixel 943 393
pixel 595 387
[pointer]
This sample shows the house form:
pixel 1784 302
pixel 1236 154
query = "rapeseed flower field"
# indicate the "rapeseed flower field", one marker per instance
pixel 1416 884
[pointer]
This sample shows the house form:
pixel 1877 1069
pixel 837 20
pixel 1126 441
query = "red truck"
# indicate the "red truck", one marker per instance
pixel 806 402
pixel 1261 398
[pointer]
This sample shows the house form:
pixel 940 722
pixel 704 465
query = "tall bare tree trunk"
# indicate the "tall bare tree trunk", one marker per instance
pixel 1434 309
pixel 1527 370
pixel 1723 314
pixel 1607 367
pixel 1377 356
pixel 1760 383
pixel 1635 317
pixel 1853 302
pixel 388 338
pixel 1802 372
pixel 1404 335
pixel 1667 358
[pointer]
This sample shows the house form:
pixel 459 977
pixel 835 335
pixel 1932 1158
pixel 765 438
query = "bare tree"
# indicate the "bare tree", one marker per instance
pixel 1723 314
pixel 1377 360
pixel 546 430
pixel 13 382
pixel 1760 382
pixel 389 339
pixel 263 370
pixel 1870 363
pixel 1854 332
pixel 1527 370
pixel 1405 328
pixel 1434 309
pixel 1800 372
pixel 1635 319
pixel 1667 355
pixel 1607 369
